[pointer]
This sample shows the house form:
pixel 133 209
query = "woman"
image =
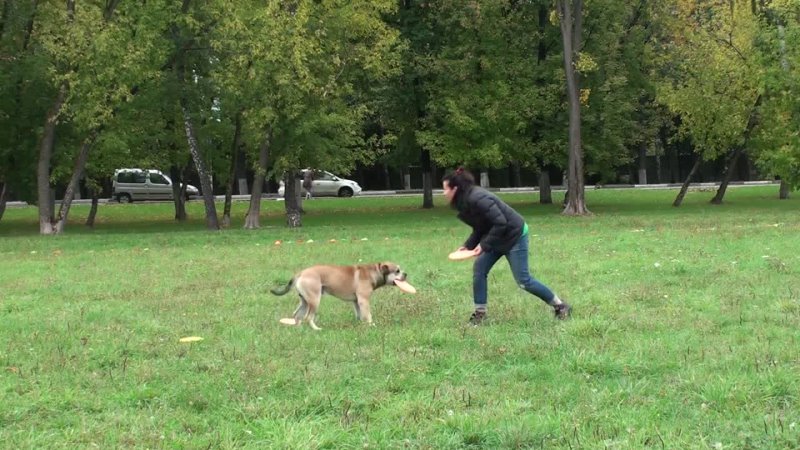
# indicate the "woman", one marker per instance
pixel 308 183
pixel 497 230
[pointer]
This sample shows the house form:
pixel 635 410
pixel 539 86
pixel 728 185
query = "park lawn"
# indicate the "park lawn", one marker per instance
pixel 684 333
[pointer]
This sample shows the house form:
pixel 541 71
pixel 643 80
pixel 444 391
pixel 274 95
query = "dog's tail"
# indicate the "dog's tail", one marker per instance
pixel 283 290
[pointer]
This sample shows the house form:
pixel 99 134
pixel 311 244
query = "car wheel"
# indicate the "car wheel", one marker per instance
pixel 345 192
pixel 124 198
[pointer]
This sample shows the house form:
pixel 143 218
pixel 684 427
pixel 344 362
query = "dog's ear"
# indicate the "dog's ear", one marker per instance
pixel 385 269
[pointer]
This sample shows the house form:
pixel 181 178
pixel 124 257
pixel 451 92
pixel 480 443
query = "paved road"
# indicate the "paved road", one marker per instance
pixel 411 192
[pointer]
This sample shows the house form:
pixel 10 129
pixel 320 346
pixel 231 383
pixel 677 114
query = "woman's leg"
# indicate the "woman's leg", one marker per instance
pixel 480 272
pixel 518 260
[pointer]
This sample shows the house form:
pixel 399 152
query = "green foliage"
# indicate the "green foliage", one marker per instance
pixel 466 118
pixel 777 143
pixel 302 71
pixel 620 113
pixel 26 92
pixel 496 85
pixel 726 65
pixel 710 71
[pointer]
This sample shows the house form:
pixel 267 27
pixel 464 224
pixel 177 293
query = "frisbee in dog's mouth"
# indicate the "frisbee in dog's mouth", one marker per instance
pixel 405 286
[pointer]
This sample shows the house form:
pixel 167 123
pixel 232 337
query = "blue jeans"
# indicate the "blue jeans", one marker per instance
pixel 518 260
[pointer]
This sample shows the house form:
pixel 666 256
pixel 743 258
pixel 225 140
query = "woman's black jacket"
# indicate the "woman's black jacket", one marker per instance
pixel 495 225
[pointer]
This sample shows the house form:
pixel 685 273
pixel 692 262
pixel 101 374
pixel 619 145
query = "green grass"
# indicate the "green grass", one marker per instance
pixel 684 335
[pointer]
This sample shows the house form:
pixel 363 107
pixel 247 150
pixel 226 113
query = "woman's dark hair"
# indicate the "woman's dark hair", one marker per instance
pixel 461 179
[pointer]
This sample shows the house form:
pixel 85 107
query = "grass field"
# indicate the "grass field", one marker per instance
pixel 685 331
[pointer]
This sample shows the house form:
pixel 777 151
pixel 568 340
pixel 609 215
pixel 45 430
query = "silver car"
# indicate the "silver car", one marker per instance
pixel 136 185
pixel 327 184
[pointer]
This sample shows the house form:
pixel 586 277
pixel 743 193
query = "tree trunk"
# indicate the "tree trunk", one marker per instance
pixel 178 193
pixel 43 168
pixel 45 195
pixel 752 121
pixel 226 212
pixel 685 186
pixel 571 17
pixel 95 194
pixel 298 197
pixel 292 199
pixel 77 174
pixel 298 192
pixel 252 219
pixel 241 173
pixel 212 221
pixel 516 177
pixel 783 192
pixel 406 179
pixel 642 163
pixel 729 171
pixel 671 153
pixel 3 199
pixel 485 179
pixel 387 181
pixel 545 190
pixel 427 185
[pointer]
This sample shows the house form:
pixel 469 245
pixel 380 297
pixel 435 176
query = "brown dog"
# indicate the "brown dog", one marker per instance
pixel 349 283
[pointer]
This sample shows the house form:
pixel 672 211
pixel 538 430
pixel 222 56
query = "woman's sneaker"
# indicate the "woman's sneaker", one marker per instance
pixel 477 317
pixel 562 311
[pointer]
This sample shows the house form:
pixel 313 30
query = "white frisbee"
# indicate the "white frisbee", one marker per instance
pixel 460 255
pixel 405 287
pixel 289 321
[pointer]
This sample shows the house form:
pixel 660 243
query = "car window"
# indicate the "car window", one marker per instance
pixel 131 177
pixel 324 176
pixel 157 178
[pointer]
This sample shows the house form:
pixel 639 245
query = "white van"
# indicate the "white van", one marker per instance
pixel 137 184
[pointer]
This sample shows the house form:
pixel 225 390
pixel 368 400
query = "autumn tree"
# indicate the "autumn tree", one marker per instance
pixel 711 78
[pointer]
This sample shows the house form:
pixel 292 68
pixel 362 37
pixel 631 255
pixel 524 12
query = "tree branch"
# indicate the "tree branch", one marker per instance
pixel 729 43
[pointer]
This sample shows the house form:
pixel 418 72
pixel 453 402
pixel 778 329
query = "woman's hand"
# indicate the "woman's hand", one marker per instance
pixel 476 251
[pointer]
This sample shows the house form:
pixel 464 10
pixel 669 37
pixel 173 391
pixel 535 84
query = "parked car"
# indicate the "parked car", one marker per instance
pixel 327 184
pixel 136 185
